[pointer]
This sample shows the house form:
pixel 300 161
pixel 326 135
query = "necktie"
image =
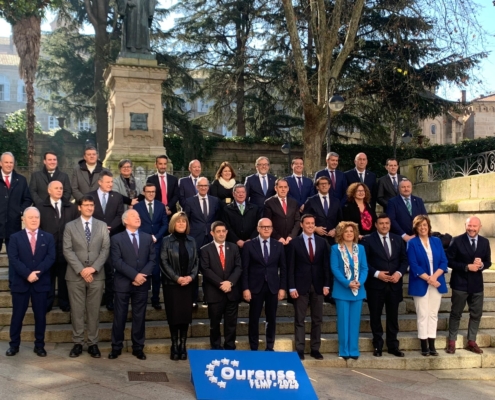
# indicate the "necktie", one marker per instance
pixel 33 241
pixel 163 188
pixel 265 185
pixel 311 252
pixel 57 211
pixel 195 181
pixel 205 208
pixel 332 177
pixel 299 183
pixel 134 243
pixel 266 255
pixel 7 181
pixel 284 206
pixel 395 183
pixel 361 177
pixel 104 202
pixel 222 256
pixel 473 244
pixel 241 208
pixel 408 205
pixel 325 205
pixel 150 210
pixel 385 246
pixel 87 232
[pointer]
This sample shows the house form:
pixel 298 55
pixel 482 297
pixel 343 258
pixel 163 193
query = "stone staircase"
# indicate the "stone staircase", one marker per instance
pixel 157 333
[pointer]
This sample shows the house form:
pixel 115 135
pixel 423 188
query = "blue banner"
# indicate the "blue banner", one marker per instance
pixel 222 374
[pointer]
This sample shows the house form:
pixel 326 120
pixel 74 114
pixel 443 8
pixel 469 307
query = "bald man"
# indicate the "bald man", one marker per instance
pixel 187 185
pixel 469 254
pixel 360 174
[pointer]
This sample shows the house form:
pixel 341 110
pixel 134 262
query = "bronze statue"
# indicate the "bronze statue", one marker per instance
pixel 137 17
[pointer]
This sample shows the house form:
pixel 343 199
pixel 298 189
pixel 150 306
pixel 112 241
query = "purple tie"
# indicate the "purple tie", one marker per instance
pixel 134 243
pixel 299 183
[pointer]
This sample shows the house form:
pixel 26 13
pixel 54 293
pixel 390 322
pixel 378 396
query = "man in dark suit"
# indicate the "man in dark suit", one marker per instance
pixel 387 263
pixel 469 255
pixel 109 207
pixel 55 213
pixel 14 199
pixel 300 187
pixel 188 184
pixel 31 254
pixel 308 263
pixel 260 186
pixel 402 210
pixel 388 185
pixel 337 178
pixel 154 221
pixel 222 269
pixel 362 175
pixel 38 185
pixel 240 217
pixel 133 257
pixel 264 279
pixel 283 212
pixel 167 186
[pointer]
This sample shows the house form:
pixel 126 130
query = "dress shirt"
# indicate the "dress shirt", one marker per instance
pixel 136 235
pixel 90 168
pixel 322 200
pixel 201 203
pixel 389 244
pixel 100 196
pixel 262 245
pixel 8 176
pixel 192 180
pixel 29 234
pixel 261 180
pixel 164 179
pixel 281 204
pixel 361 172
pixel 429 254
pixel 217 245
pixel 90 225
pixel 475 243
pixel 241 204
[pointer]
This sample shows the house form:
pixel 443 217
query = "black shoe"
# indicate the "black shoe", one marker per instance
pixel 431 345
pixel 12 351
pixel 329 300
pixel 316 354
pixel 110 306
pixel 48 309
pixel 301 355
pixel 267 349
pixel 139 354
pixel 40 351
pixel 94 351
pixel 345 357
pixel 396 353
pixel 377 353
pixel 205 303
pixel 65 308
pixel 354 357
pixel 76 351
pixel 114 354
pixel 195 306
pixel 156 306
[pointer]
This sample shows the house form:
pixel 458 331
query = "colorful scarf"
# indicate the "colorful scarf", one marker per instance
pixel 347 265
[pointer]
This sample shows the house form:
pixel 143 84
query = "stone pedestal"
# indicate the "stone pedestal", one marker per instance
pixel 408 169
pixel 135 112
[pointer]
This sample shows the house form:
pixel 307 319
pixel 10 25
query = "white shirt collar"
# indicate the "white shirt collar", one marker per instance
pixel 84 221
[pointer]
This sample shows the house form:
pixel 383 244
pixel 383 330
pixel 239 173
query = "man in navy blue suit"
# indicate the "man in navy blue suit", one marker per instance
pixel 188 184
pixel 264 279
pixel 362 175
pixel 154 221
pixel 260 186
pixel 300 187
pixel 167 186
pixel 31 255
pixel 402 209
pixel 133 257
pixel 339 182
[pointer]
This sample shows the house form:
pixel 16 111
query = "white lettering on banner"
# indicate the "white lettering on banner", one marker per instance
pixel 257 379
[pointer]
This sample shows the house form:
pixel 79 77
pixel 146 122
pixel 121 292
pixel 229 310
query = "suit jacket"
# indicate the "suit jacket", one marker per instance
pixel 329 221
pixel 38 185
pixel 214 274
pixel 186 189
pixel 79 254
pixel 255 271
pixel 172 190
pixel 13 202
pixel 350 212
pixel 399 215
pixel 159 226
pixel 301 272
pixel 284 225
pixel 378 261
pixel 23 261
pixel 254 190
pixel 352 176
pixel 120 187
pixel 419 264
pixel 459 255
pixel 307 189
pixel 82 182
pixel 127 265
pixel 241 226
pixel 339 191
pixel 201 226
pixel 385 189
pixel 113 211
pixel 341 290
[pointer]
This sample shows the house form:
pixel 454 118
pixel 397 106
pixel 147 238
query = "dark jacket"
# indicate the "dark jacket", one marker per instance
pixel 307 189
pixel 284 225
pixel 172 190
pixel 352 176
pixel 351 212
pixel 217 190
pixel 241 226
pixel 329 221
pixel 201 226
pixel 169 259
pixel 38 185
pixel 399 216
pixel 254 191
pixel 82 181
pixel 386 190
pixel 113 211
pixel 339 191
pixel 13 202
pixel 158 227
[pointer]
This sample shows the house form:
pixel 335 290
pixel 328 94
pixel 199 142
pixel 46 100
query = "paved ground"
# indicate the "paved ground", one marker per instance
pixel 58 377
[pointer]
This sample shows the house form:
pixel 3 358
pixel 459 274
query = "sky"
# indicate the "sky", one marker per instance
pixel 485 73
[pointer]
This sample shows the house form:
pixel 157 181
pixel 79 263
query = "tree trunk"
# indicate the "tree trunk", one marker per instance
pixel 242 31
pixel 30 122
pixel 101 112
pixel 315 125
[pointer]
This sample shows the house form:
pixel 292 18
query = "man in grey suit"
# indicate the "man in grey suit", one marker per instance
pixel 86 248
pixel 85 173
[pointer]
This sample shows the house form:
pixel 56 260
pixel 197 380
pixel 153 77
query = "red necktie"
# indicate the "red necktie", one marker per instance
pixel 332 177
pixel 164 191
pixel 33 241
pixel 311 252
pixel 7 181
pixel 222 256
pixel 284 206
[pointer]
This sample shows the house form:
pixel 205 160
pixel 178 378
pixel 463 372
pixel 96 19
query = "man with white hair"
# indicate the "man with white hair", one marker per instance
pixel 261 185
pixel 359 174
pixel 188 184
pixel 468 254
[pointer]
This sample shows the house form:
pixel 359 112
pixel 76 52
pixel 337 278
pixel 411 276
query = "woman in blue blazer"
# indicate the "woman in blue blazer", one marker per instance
pixel 350 269
pixel 427 266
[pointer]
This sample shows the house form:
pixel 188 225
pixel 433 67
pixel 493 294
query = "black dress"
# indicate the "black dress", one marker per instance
pixel 351 212
pixel 217 190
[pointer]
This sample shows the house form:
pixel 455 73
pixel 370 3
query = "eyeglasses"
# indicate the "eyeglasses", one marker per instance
pixel 263 165
pixel 360 191
pixel 126 166
pixel 203 186
pixel 265 227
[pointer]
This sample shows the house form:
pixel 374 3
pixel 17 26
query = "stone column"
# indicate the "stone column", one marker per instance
pixel 407 168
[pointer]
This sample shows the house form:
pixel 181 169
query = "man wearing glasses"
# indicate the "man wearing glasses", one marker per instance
pixel 260 186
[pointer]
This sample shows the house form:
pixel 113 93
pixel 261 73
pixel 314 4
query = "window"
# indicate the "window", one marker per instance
pixel 21 92
pixel 4 88
pixel 52 123
pixel 2 92
pixel 433 129
pixel 84 125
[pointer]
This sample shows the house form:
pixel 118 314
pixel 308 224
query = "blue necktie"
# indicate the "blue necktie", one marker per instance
pixel 87 232
pixel 299 183
pixel 395 184
pixel 134 243
pixel 265 251
pixel 104 202
pixel 325 205
pixel 265 185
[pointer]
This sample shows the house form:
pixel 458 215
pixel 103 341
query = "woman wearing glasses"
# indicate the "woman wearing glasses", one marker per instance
pixel 358 209
pixel 127 185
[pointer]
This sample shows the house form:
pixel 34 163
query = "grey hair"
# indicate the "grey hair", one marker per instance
pixel 238 186
pixel 123 162
pixel 31 208
pixel 124 216
pixel 332 154
pixel 202 177
pixel 50 184
pixel 7 153
pixel 262 158
pixel 402 181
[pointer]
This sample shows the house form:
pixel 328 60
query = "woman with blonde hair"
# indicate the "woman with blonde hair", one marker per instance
pixel 224 182
pixel 350 269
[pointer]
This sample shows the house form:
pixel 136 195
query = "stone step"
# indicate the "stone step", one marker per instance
pixel 489 291
pixel 4 261
pixel 446 304
pixel 488 276
pixel 62 333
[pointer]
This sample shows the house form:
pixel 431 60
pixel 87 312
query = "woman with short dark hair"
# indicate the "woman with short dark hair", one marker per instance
pixel 126 184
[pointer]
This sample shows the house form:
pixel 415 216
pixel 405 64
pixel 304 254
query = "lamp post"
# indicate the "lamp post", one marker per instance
pixel 286 147
pixel 335 104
